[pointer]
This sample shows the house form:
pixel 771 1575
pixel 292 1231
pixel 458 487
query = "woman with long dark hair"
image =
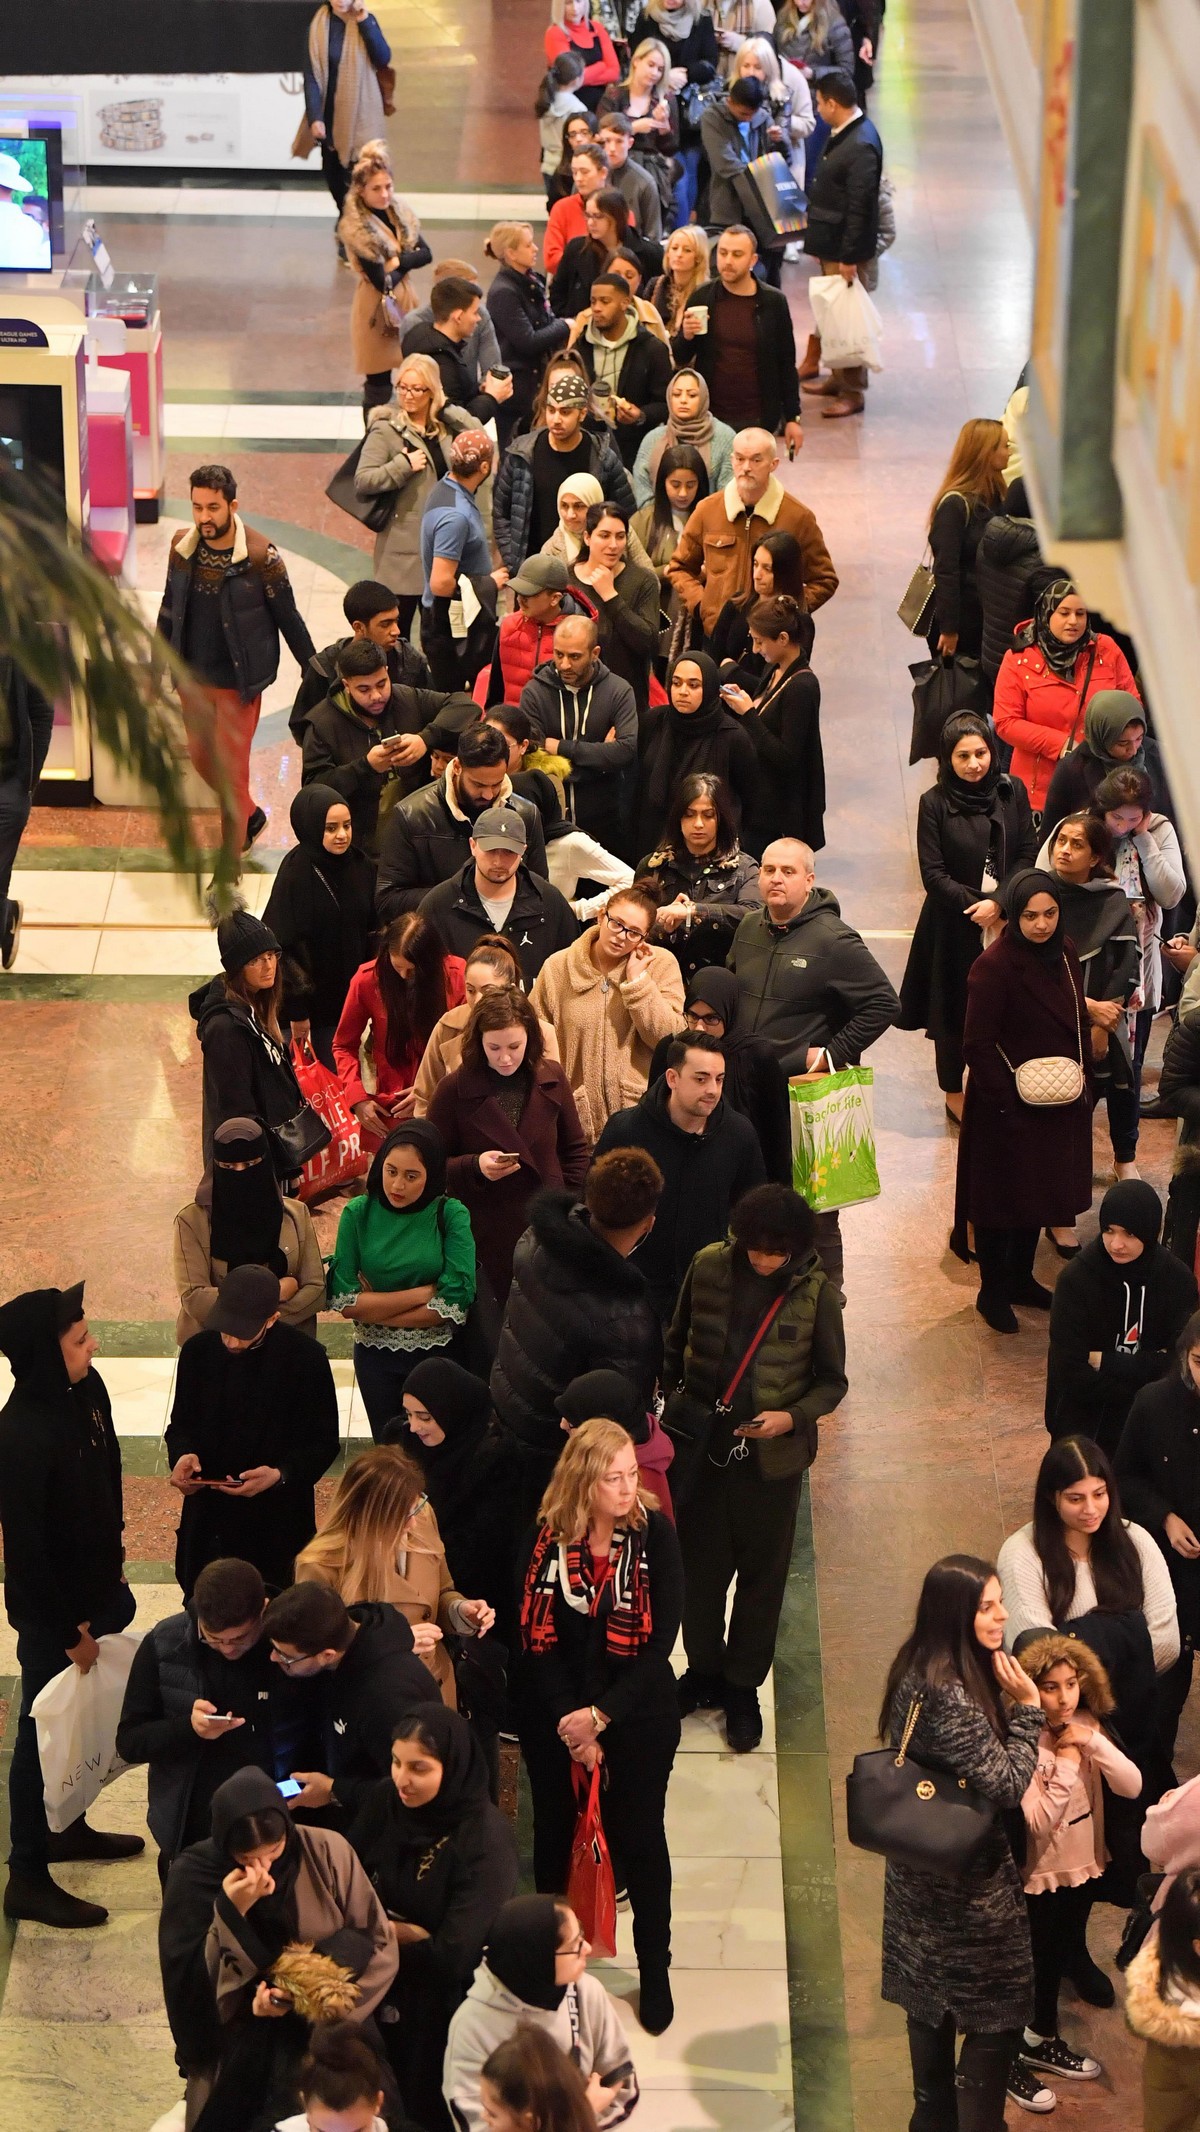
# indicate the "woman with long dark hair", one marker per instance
pixel 783 720
pixel 692 732
pixel 529 2085
pixel 974 829
pixel 247 1070
pixel 403 1267
pixel 776 571
pixel 606 214
pixel 400 997
pixel 492 963
pixel 680 483
pixel 509 1125
pixel 956 1953
pixel 344 2079
pixel 1021 1166
pixel 443 1860
pixel 705 882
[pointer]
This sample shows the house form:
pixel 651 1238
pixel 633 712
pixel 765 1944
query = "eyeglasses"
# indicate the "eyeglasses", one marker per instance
pixel 700 1020
pixel 285 1662
pixel 625 932
pixel 576 1948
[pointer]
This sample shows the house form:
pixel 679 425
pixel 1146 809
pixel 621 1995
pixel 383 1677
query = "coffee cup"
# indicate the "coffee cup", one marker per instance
pixel 698 313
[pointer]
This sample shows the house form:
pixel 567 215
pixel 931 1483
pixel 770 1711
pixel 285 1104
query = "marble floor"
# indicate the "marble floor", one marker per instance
pixel 780 2020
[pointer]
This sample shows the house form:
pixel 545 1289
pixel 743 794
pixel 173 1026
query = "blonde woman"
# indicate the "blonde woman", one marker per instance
pixel 734 21
pixel 383 243
pixel 685 268
pixel 404 454
pixel 601 1605
pixel 687 30
pixel 649 105
pixel 380 1542
pixel 526 327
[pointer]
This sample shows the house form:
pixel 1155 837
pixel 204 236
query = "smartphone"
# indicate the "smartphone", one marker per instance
pixel 730 689
pixel 213 1479
pixel 616 2074
pixel 288 1788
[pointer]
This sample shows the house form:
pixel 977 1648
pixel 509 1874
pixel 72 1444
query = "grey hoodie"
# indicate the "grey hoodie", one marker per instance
pixel 586 2025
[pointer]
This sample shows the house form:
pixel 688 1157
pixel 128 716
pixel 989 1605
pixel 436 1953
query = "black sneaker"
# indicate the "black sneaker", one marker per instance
pixel 743 1719
pixel 1028 2092
pixel 698 1691
pixel 1051 2055
pixel 254 827
pixel 10 938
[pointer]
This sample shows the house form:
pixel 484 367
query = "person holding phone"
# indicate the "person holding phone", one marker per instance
pixel 510 1127
pixel 232 1905
pixel 610 997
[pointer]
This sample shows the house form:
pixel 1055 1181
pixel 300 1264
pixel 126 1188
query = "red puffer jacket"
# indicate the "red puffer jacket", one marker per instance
pixel 521 647
pixel 1037 712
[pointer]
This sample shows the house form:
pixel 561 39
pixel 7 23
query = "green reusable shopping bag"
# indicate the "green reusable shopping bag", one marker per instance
pixel 833 1139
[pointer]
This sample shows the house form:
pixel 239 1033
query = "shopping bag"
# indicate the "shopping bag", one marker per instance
pixel 375 512
pixel 833 1138
pixel 850 327
pixel 343 1158
pixel 770 198
pixel 591 1889
pixel 76 1715
pixel 940 688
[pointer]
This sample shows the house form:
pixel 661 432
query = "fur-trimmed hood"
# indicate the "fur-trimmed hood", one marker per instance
pixel 1151 2016
pixel 1095 1688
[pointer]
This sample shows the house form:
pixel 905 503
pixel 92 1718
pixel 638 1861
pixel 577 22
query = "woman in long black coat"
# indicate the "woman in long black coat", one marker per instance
pixel 783 720
pixel 974 829
pixel 1022 1167
pixel 322 911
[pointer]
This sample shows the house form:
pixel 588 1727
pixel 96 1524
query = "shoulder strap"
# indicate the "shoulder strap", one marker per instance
pixel 752 1350
pixel 1081 706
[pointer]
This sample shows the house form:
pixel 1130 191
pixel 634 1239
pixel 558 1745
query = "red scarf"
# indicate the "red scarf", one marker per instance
pixel 623 1595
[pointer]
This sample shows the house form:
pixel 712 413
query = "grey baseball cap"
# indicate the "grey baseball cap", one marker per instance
pixel 500 829
pixel 540 573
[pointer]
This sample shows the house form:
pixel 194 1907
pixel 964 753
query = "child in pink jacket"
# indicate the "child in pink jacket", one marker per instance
pixel 1064 1822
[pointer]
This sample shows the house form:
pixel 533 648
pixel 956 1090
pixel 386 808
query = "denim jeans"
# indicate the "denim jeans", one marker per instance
pixel 687 186
pixel 382 1373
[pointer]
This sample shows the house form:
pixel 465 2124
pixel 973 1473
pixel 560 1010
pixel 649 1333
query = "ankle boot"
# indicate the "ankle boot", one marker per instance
pixel 810 363
pixel 40 1900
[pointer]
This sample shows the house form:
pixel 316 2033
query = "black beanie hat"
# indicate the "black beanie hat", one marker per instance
pixel 1134 1205
pixel 240 937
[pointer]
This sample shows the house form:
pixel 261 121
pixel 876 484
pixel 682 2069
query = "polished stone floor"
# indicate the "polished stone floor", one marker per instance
pixel 937 1444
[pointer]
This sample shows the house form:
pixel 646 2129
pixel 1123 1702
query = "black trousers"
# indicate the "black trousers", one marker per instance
pixel 1058 1932
pixel 734 1524
pixel 40 1655
pixel 1005 1260
pixel 335 174
pixel 1174 1687
pixel 969 2098
pixel 638 1754
pixel 377 391
pixel 948 1059
pixel 828 1240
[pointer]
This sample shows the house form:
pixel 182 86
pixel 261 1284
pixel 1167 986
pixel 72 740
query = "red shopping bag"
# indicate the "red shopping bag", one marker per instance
pixel 591 1889
pixel 343 1159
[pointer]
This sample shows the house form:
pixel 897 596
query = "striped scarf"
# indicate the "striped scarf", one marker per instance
pixel 556 1567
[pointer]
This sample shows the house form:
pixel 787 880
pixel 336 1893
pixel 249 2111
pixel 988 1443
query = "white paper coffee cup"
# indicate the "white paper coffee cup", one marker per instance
pixel 698 313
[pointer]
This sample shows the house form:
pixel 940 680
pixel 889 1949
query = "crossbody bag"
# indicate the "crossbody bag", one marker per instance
pixel 1050 1083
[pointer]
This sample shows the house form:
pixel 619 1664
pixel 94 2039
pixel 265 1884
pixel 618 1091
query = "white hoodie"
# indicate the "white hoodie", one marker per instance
pixel 586 2024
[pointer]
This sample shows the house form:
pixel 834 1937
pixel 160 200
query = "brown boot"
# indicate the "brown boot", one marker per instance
pixel 825 386
pixel 810 366
pixel 849 403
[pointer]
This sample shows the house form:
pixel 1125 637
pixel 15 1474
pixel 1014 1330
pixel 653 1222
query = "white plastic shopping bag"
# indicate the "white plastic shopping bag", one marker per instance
pixel 76 1716
pixel 850 327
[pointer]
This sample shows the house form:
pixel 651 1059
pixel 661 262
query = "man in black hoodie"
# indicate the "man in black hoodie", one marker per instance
pixel 708 1155
pixel 367 1676
pixel 64 1586
pixel 1117 1313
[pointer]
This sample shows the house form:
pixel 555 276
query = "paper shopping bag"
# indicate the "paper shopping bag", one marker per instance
pixel 833 1139
pixel 343 1159
pixel 76 1715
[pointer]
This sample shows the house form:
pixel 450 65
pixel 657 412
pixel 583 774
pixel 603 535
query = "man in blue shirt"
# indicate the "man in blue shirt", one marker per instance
pixel 454 546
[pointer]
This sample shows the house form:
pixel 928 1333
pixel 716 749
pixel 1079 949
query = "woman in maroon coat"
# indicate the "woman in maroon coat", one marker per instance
pixel 510 1127
pixel 1022 1167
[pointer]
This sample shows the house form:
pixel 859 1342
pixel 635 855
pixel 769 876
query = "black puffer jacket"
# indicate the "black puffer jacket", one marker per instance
pixel 575 1305
pixel 173 1669
pixel 1006 559
pixel 722 891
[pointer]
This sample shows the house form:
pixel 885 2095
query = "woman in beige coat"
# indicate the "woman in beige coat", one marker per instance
pixel 383 243
pixel 611 997
pixel 380 1541
pixel 403 455
pixel 491 964
pixel 239 1217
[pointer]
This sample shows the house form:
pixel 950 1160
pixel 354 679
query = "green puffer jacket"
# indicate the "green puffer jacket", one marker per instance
pixel 800 1365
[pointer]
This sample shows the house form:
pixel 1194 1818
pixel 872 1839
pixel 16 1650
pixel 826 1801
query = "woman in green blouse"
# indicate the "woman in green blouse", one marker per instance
pixel 403 1269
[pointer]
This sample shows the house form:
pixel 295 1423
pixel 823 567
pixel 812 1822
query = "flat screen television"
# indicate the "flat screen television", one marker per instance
pixel 31 200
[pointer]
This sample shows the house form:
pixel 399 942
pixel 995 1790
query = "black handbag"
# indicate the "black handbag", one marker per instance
pixel 913 1814
pixel 940 688
pixel 374 512
pixel 297 1140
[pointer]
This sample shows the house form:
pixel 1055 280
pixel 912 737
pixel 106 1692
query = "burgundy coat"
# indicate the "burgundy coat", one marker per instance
pixel 1018 1167
pixel 549 1140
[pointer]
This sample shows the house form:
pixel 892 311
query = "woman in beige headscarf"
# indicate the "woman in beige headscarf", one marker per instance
pixel 383 243
pixel 574 496
pixel 348 84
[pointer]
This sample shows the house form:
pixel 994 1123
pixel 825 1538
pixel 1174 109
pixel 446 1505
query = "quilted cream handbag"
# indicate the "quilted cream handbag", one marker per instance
pixel 1047 1084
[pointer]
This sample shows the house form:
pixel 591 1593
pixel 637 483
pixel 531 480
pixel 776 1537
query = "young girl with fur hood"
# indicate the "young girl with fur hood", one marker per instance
pixel 1065 1851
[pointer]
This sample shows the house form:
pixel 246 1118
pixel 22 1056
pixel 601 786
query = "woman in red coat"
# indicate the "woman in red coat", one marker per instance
pixel 576 32
pixel 1045 685
pixel 398 998
pixel 1022 1167
pixel 510 1128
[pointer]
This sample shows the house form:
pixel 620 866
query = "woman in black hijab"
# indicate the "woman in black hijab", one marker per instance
pixel 230 1908
pixel 239 1217
pixel 322 911
pixel 1100 923
pixel 1022 1166
pixel 692 732
pixel 974 829
pixel 443 1860
pixel 447 1425
pixel 755 1082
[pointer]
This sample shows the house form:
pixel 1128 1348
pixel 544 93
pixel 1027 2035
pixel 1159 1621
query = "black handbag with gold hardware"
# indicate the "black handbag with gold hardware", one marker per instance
pixel 913 1814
